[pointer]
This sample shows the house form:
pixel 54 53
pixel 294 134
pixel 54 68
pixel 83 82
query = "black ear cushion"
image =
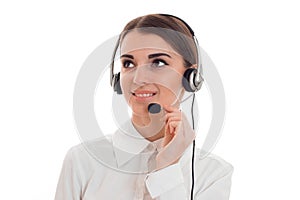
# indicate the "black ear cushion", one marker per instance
pixel 186 79
pixel 117 85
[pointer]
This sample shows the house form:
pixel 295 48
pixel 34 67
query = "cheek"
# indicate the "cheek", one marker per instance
pixel 172 86
pixel 171 94
pixel 125 82
pixel 170 78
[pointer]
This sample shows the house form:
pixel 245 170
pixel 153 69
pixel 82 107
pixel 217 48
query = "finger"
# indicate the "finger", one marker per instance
pixel 168 118
pixel 174 126
pixel 170 129
pixel 169 115
pixel 172 123
pixel 170 108
pixel 168 136
pixel 173 114
pixel 173 119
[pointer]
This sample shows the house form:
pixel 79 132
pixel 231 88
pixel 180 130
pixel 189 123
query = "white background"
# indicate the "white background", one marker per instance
pixel 254 44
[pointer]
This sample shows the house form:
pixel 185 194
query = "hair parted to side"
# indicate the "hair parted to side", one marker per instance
pixel 170 29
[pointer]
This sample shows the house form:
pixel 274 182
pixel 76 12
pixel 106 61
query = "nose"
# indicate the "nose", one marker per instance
pixel 141 76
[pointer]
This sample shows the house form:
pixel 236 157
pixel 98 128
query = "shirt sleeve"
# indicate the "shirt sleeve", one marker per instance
pixel 168 183
pixel 68 187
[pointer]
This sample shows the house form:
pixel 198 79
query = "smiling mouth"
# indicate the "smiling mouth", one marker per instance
pixel 144 95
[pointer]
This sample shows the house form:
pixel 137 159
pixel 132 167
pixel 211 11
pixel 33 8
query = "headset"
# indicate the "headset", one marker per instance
pixel 192 80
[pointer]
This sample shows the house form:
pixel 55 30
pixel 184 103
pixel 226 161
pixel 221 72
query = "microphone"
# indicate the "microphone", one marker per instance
pixel 154 108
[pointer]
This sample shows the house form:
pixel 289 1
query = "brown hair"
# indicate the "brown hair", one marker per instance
pixel 173 30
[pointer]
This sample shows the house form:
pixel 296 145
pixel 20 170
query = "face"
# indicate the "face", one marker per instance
pixel 151 72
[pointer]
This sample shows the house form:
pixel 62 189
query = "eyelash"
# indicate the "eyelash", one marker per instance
pixel 156 61
pixel 153 64
pixel 125 62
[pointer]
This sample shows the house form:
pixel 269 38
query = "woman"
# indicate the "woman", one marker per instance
pixel 151 156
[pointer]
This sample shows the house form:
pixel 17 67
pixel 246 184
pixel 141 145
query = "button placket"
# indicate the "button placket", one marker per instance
pixel 148 157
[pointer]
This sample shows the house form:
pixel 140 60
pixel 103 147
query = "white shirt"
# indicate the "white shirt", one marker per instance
pixel 121 167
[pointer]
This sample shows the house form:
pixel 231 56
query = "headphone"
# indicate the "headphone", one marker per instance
pixel 192 79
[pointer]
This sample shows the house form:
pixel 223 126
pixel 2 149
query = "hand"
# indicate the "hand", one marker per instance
pixel 178 136
pixel 172 123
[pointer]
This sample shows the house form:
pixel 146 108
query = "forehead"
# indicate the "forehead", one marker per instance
pixel 135 40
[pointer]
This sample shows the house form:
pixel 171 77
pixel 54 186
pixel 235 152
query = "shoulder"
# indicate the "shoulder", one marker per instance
pixel 212 167
pixel 212 160
pixel 92 152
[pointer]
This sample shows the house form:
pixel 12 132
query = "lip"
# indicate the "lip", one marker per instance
pixel 143 98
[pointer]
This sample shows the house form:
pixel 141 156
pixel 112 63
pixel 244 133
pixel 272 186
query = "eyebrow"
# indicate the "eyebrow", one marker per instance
pixel 149 56
pixel 127 56
pixel 158 54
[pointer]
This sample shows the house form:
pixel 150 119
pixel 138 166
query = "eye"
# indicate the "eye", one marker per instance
pixel 158 63
pixel 127 64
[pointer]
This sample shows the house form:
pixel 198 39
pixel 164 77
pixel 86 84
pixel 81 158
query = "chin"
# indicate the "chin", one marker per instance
pixel 140 110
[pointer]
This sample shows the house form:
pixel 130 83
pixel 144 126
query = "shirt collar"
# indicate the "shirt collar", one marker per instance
pixel 128 143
